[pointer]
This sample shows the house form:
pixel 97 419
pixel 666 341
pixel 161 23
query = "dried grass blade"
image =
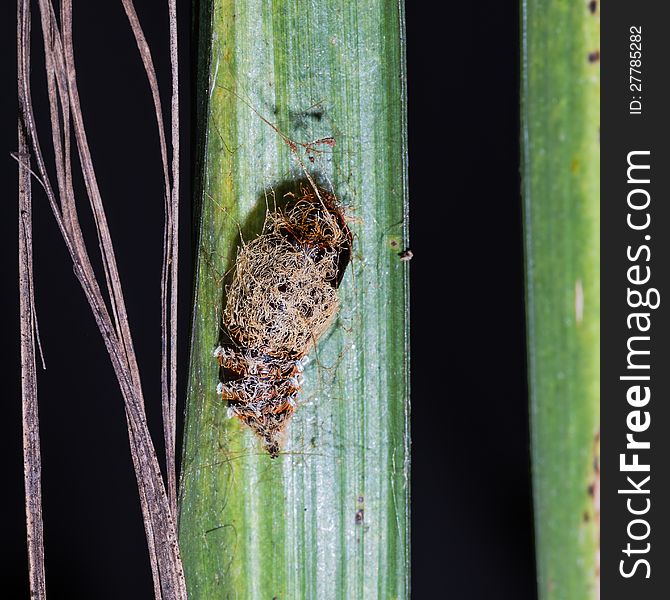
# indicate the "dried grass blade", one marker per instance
pixel 168 273
pixel 32 463
pixel 159 522
pixel 93 191
pixel 174 275
pixel 55 68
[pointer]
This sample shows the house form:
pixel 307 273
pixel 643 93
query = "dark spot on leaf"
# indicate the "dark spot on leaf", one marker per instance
pixel 359 516
pixel 594 56
pixel 593 6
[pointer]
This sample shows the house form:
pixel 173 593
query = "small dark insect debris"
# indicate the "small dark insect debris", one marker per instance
pixel 359 516
pixel 594 56
pixel 593 6
pixel 406 255
pixel 311 147
pixel 360 499
pixel 591 489
pixel 394 243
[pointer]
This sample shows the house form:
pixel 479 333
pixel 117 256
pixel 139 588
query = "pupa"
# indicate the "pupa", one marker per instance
pixel 282 298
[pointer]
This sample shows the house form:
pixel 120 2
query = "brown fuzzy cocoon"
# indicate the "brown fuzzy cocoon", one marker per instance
pixel 282 298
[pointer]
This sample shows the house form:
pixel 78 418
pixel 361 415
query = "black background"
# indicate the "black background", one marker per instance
pixel 471 503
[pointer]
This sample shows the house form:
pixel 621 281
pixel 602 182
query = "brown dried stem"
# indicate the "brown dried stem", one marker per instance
pixel 174 275
pixel 65 108
pixel 32 463
pixel 169 278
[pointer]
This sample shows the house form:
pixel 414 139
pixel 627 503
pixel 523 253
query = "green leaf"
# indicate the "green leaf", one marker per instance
pixel 328 518
pixel 561 171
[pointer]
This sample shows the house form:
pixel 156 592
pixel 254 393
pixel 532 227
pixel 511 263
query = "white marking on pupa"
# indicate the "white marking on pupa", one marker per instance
pixel 579 301
pixel 297 380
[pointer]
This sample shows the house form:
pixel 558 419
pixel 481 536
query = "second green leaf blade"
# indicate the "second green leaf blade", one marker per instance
pixel 560 126
pixel 329 517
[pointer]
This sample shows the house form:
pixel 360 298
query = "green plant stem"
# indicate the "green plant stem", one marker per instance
pixel 328 518
pixel 561 171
